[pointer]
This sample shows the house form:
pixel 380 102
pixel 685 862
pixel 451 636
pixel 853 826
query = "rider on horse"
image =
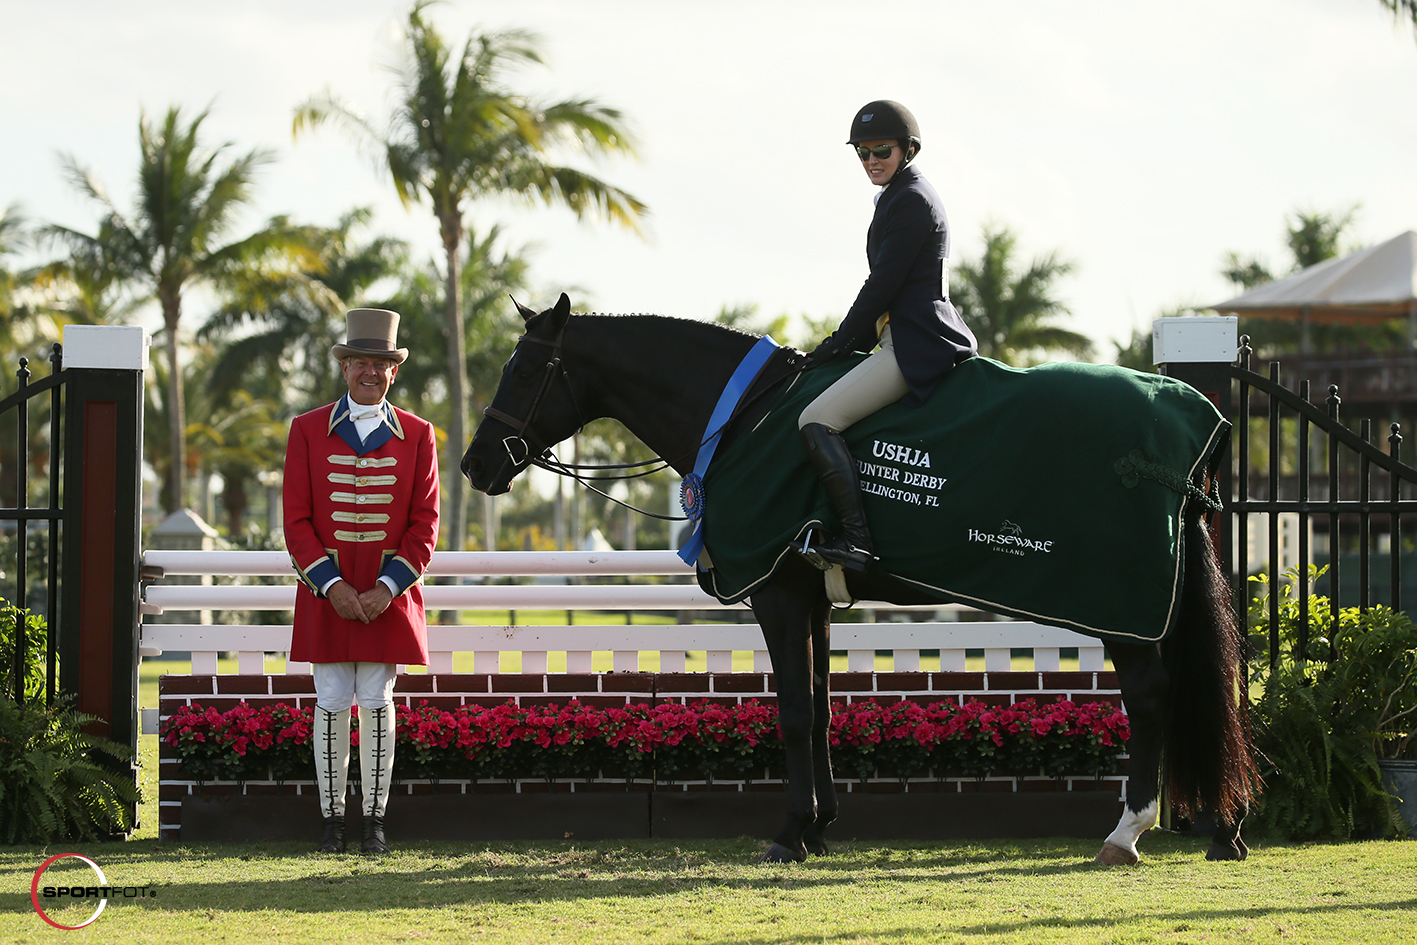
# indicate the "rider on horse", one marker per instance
pixel 905 299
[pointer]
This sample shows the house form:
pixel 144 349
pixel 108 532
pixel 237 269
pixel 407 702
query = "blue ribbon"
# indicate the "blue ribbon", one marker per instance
pixel 733 392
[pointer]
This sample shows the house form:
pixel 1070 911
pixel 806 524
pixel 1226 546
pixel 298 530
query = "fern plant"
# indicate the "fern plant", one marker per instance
pixel 1322 724
pixel 54 782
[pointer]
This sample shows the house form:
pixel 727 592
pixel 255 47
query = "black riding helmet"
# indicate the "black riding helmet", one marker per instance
pixel 886 119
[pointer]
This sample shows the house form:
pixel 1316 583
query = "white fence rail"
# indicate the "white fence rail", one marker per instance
pixel 626 643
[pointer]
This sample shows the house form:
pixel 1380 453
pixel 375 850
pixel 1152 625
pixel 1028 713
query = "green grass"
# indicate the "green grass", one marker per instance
pixel 709 892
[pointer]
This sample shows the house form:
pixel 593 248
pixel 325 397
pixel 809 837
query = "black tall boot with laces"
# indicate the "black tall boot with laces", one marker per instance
pixel 374 841
pixel 333 839
pixel 852 548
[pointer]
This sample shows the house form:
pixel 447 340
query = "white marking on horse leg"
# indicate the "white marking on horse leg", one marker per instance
pixel 1132 825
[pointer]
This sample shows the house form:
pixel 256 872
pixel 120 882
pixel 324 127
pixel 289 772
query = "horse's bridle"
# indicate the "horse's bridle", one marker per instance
pixel 552 370
pixel 539 457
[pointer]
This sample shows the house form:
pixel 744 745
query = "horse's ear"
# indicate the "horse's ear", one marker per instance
pixel 526 313
pixel 561 312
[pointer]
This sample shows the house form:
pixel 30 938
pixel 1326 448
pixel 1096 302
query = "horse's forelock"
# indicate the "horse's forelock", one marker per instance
pixel 538 320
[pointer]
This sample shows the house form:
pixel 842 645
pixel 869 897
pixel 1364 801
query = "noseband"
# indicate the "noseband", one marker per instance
pixel 554 368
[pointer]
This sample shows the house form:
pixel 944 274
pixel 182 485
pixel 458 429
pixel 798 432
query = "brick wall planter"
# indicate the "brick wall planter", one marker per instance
pixel 592 815
pixel 875 809
pixel 628 815
pixel 894 816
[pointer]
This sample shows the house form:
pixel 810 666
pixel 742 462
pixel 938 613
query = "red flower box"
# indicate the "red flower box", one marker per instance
pixel 669 741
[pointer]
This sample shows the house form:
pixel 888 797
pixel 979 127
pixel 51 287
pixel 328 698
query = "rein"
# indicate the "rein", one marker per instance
pixel 545 458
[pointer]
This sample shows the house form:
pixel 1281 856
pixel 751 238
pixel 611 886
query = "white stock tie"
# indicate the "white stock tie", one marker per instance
pixel 366 419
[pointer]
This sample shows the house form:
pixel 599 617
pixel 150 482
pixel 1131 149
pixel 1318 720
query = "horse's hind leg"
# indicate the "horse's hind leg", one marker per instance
pixel 785 615
pixel 821 729
pixel 1226 843
pixel 1143 681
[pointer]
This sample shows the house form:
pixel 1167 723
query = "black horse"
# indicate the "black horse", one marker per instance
pixel 661 378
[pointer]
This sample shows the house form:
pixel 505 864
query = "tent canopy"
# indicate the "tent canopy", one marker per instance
pixel 1367 287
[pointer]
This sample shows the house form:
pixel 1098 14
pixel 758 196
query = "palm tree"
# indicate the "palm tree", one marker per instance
pixel 457 134
pixel 1401 8
pixel 282 325
pixel 238 441
pixel 12 234
pixel 15 342
pixel 189 196
pixel 235 435
pixel 1312 236
pixel 27 325
pixel 488 273
pixel 1010 313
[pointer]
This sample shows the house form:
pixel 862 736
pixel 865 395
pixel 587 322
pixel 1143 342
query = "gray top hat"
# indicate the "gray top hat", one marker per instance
pixel 372 333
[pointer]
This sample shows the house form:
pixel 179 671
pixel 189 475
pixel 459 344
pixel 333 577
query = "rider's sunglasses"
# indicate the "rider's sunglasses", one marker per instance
pixel 881 151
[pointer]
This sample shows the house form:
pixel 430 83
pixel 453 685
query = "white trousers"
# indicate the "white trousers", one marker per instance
pixel 339 685
pixel 860 392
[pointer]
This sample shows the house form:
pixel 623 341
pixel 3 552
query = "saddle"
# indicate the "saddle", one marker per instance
pixel 1054 493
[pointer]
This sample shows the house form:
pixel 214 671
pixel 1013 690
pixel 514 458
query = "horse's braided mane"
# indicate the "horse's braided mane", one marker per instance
pixel 697 323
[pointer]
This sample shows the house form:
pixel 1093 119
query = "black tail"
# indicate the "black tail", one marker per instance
pixel 1208 756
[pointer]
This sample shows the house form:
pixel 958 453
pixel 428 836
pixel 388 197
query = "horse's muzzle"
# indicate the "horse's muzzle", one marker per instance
pixel 483 480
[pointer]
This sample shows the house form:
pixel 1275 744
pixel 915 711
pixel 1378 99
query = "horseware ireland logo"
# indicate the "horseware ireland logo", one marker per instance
pixel 1009 540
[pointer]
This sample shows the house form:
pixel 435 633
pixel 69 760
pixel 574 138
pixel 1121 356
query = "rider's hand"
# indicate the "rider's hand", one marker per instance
pixel 822 353
pixel 346 602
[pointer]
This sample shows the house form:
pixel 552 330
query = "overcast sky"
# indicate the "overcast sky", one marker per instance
pixel 1139 140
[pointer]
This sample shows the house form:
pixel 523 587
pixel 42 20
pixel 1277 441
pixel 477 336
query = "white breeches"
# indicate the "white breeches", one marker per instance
pixel 339 685
pixel 860 392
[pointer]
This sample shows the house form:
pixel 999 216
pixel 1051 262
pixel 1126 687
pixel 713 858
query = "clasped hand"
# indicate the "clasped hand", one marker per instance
pixel 356 606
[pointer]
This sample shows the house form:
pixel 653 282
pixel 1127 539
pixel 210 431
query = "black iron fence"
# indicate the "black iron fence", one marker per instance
pixel 30 531
pixel 1306 489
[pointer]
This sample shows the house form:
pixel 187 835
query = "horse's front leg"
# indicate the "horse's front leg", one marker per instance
pixel 1143 681
pixel 785 620
pixel 821 729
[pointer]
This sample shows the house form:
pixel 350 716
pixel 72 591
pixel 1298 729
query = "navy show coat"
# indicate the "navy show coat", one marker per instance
pixel 906 246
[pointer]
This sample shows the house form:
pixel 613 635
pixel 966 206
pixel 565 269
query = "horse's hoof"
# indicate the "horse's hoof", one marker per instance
pixel 1113 855
pixel 777 853
pixel 1226 851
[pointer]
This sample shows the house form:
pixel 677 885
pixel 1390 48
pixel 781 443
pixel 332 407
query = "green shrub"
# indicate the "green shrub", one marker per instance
pixel 36 635
pixel 1322 724
pixel 54 782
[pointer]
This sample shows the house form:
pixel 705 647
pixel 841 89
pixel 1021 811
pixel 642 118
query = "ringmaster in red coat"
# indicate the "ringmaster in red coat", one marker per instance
pixel 361 521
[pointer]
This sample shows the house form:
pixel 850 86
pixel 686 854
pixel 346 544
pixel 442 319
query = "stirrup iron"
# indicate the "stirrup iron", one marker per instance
pixel 812 556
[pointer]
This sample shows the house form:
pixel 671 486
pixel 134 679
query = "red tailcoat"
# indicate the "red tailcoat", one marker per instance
pixel 360 509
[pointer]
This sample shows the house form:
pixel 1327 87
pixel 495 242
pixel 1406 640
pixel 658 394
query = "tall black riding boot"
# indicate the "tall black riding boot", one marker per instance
pixel 837 471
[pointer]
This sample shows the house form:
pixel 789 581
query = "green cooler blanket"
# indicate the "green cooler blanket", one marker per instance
pixel 1052 494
